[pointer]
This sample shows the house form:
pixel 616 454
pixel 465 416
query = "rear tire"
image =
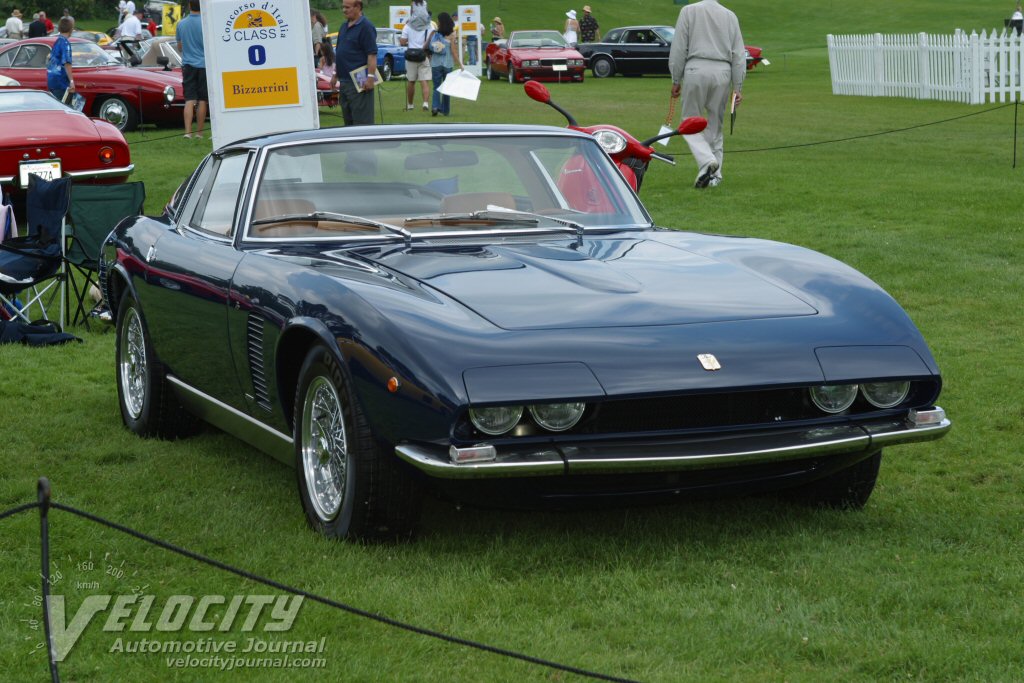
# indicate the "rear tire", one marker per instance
pixel 148 404
pixel 349 489
pixel 847 489
pixel 511 75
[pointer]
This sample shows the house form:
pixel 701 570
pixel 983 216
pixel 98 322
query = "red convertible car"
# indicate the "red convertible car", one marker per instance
pixel 534 56
pixel 113 92
pixel 39 135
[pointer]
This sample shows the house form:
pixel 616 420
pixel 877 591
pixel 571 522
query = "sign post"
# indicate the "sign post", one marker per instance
pixel 469 28
pixel 259 68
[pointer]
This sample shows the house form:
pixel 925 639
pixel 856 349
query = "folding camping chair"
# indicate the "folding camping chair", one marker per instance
pixel 95 211
pixel 30 266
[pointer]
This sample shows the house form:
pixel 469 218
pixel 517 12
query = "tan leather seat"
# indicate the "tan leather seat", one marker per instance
pixel 476 201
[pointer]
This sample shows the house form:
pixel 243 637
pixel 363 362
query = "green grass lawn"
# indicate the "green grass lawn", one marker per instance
pixel 924 584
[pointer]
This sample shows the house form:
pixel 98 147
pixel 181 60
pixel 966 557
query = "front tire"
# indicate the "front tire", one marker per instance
pixel 511 75
pixel 348 488
pixel 388 70
pixel 148 405
pixel 492 75
pixel 602 67
pixel 847 489
pixel 117 111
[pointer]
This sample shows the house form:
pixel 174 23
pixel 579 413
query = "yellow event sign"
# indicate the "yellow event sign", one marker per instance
pixel 259 68
pixel 266 87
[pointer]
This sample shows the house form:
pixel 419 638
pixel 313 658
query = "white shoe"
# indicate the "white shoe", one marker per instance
pixel 409 107
pixel 705 175
pixel 426 106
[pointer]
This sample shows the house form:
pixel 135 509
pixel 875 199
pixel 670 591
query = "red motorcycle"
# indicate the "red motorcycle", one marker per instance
pixel 631 155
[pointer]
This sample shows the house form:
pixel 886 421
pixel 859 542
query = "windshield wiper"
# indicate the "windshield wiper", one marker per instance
pixel 331 217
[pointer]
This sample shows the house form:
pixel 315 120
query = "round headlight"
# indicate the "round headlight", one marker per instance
pixel 610 141
pixel 495 421
pixel 885 394
pixel 834 398
pixel 557 417
pixel 169 93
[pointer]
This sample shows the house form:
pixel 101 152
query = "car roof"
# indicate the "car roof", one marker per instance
pixel 401 131
pixel 628 28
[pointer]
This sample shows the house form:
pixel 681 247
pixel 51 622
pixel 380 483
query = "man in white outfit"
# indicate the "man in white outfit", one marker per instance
pixel 708 63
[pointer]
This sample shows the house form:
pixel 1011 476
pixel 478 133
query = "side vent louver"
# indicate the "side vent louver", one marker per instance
pixel 256 367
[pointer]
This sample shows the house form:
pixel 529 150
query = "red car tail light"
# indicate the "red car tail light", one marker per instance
pixel 106 154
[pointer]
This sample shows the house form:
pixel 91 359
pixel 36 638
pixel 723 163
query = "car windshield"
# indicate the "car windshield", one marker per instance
pixel 665 32
pixel 537 39
pixel 28 101
pixel 456 185
pixel 158 48
pixel 91 54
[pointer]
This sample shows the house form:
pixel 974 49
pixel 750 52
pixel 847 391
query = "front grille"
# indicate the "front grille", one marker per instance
pixel 707 412
pixel 553 62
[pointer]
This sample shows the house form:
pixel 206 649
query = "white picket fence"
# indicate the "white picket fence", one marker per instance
pixel 962 68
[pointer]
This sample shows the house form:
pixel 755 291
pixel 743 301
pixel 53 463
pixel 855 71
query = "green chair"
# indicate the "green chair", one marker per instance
pixel 95 211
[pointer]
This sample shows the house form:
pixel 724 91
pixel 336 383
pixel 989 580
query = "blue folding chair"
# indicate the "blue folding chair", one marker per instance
pixel 31 266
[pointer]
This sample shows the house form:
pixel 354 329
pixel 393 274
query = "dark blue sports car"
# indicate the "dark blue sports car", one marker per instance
pixel 390 52
pixel 486 310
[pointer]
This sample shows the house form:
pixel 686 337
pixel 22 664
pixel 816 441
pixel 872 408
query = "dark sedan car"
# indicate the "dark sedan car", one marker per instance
pixel 490 308
pixel 113 92
pixel 640 50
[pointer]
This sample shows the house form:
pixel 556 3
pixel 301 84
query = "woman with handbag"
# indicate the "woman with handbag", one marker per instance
pixel 442 59
pixel 417 65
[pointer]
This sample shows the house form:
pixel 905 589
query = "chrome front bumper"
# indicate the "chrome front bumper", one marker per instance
pixel 667 455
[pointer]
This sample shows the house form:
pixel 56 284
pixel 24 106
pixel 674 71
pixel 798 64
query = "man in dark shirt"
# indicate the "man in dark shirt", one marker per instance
pixel 357 48
pixel 37 29
pixel 589 31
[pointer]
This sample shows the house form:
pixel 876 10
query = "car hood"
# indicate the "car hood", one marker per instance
pixel 615 282
pixel 27 128
pixel 544 53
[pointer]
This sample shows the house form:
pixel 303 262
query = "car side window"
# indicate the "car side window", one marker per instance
pixel 613 37
pixel 32 57
pixel 215 211
pixel 639 36
pixel 7 57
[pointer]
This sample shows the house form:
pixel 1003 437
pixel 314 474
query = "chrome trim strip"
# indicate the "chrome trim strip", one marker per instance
pixel 5 180
pixel 235 422
pixel 105 173
pixel 674 455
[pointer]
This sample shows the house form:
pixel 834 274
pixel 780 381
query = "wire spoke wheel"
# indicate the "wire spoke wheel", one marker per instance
pixel 324 448
pixel 132 364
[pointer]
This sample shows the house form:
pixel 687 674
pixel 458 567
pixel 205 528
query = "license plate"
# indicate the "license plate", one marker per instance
pixel 47 170
pixel 559 67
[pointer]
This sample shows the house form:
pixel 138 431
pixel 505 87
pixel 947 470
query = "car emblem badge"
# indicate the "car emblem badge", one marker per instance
pixel 709 362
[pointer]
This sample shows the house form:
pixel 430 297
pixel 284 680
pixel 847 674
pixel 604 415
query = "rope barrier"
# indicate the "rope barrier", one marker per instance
pixel 766 149
pixel 872 135
pixel 197 557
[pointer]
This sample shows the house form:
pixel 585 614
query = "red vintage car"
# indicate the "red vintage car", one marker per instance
pixel 113 92
pixel 534 56
pixel 40 135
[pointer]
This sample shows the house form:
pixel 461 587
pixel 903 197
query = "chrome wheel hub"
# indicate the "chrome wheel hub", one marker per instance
pixel 324 448
pixel 132 364
pixel 115 112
